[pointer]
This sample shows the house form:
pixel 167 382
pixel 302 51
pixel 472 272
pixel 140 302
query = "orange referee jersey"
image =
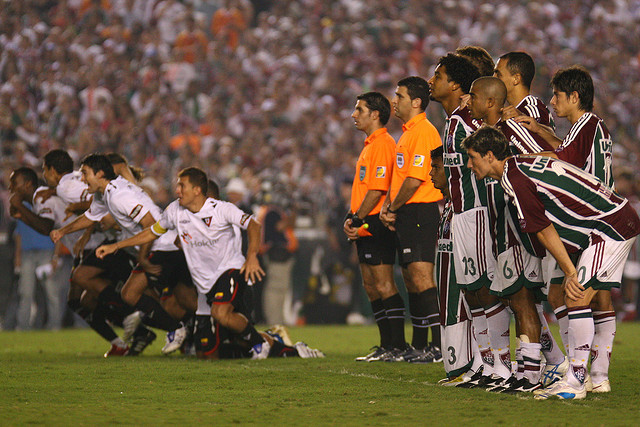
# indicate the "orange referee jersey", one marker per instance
pixel 374 168
pixel 413 159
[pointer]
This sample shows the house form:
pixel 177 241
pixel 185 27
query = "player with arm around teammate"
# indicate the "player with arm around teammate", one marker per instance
pixel 569 211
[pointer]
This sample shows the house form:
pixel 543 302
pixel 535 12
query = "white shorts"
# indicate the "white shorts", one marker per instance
pixel 473 257
pixel 601 265
pixel 551 271
pixel 457 351
pixel 516 268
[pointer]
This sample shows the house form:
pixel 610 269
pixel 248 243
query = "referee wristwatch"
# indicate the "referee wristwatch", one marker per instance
pixel 391 210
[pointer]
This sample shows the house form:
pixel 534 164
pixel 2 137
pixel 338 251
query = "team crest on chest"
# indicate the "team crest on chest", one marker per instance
pixel 400 159
pixel 186 237
pixel 363 172
pixel 207 221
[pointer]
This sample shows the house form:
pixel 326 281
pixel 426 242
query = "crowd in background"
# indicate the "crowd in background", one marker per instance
pixel 263 90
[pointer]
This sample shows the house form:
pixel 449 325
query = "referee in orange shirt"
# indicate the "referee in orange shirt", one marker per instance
pixel 376 255
pixel 411 210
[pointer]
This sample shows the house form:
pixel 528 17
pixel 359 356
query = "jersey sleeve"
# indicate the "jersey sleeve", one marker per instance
pixel 235 216
pixel 381 167
pixel 577 150
pixel 97 210
pixel 72 191
pixel 418 157
pixel 46 209
pixel 167 220
pixel 129 204
pixel 524 195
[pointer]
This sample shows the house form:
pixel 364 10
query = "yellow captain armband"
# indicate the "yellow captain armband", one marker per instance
pixel 157 229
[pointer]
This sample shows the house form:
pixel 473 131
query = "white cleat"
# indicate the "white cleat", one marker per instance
pixel 561 390
pixel 174 340
pixel 305 352
pixel 130 324
pixel 554 373
pixel 260 351
pixel 603 387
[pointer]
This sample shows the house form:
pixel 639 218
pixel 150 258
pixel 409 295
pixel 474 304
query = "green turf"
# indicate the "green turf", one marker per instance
pixel 60 378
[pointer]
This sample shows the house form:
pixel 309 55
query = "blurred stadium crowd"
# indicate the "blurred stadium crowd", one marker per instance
pixel 263 90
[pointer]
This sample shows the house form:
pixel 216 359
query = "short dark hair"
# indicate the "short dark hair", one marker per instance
pixel 437 152
pixel 575 79
pixel 99 162
pixel 417 87
pixel 214 189
pixel 521 63
pixel 196 177
pixel 377 102
pixel 459 70
pixel 28 175
pixel 59 160
pixel 486 139
pixel 479 57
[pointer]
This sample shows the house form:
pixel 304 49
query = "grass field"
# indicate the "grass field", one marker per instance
pixel 61 378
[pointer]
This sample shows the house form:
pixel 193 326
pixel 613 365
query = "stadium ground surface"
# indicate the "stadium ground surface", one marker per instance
pixel 61 378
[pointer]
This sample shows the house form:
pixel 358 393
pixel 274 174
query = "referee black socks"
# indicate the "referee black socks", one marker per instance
pixel 394 307
pixel 380 316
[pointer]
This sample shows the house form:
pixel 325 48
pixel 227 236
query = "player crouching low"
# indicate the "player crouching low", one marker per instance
pixel 221 273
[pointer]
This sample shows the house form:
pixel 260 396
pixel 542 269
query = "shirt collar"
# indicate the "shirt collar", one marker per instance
pixel 375 134
pixel 414 121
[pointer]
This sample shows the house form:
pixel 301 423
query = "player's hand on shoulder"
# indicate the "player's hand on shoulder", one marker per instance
pixel 510 112
pixel 528 123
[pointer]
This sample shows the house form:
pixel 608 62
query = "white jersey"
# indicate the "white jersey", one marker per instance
pixel 128 204
pixel 71 189
pixel 209 240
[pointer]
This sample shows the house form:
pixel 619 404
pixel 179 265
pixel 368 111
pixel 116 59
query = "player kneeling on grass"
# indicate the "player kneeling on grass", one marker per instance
pixel 568 210
pixel 213 253
pixel 214 341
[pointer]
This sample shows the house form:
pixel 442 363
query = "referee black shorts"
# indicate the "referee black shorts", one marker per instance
pixel 417 232
pixel 380 248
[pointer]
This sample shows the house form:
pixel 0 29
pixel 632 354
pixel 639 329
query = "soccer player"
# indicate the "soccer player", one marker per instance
pixel 213 252
pixel 587 146
pixel 519 277
pixel 473 257
pixel 462 356
pixel 517 70
pixel 569 211
pixel 376 251
pixel 34 250
pixel 50 212
pixel 133 210
pixel 411 210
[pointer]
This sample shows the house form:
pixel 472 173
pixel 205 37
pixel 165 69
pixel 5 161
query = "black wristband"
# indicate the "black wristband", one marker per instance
pixel 356 221
pixel 391 210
